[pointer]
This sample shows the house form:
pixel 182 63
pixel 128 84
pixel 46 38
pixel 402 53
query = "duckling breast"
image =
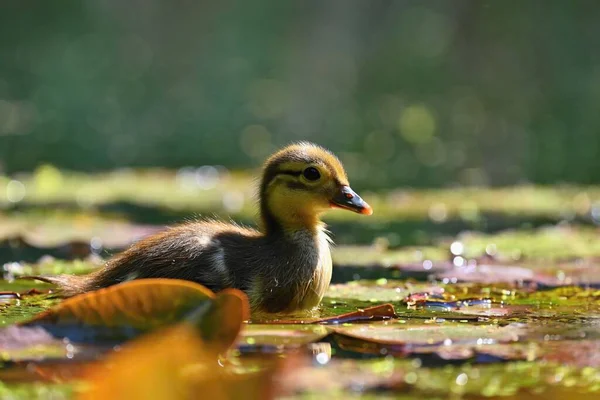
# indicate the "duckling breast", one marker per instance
pixel 295 277
pixel 321 277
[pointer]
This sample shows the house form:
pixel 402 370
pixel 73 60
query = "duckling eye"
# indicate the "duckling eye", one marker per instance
pixel 311 174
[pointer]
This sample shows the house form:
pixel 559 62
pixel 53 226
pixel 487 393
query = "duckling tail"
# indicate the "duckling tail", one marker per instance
pixel 69 285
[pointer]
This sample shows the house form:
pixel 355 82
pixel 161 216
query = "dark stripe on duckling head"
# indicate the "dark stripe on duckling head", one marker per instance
pixel 272 172
pixel 290 184
pixel 292 173
pixel 296 185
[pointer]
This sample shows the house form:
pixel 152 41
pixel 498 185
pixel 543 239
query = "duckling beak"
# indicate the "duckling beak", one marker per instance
pixel 347 199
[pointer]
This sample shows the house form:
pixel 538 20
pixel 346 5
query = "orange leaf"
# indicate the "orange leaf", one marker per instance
pixel 221 324
pixel 159 366
pixel 382 311
pixel 375 313
pixel 178 364
pixel 140 304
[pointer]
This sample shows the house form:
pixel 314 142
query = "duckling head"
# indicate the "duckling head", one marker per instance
pixel 299 183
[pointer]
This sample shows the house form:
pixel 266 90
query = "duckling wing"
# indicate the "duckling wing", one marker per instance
pixel 192 252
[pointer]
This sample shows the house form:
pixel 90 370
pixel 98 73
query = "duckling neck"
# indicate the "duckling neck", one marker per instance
pixel 290 223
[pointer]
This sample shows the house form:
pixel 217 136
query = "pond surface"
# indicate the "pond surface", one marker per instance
pixel 447 295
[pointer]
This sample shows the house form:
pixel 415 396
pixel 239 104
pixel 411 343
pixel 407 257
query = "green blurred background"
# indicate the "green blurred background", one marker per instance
pixel 414 93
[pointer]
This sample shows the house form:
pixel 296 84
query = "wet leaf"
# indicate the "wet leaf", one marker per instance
pixel 19 310
pixel 124 310
pixel 383 290
pixel 215 324
pixel 375 313
pixel 330 316
pixel 427 335
pixel 281 334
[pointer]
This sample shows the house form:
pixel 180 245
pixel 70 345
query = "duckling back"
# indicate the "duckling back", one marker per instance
pixel 191 251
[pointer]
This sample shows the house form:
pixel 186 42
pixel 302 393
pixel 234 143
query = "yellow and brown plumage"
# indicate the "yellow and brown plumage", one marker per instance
pixel 283 267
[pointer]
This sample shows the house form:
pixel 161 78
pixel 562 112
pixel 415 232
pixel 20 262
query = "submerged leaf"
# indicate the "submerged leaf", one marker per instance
pixel 172 364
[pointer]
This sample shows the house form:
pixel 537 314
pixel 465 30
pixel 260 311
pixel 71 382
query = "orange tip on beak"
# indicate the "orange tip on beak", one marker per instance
pixel 367 210
pixel 347 199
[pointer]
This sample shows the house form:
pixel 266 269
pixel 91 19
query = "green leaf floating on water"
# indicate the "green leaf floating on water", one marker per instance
pixel 469 299
pixel 549 243
pixel 16 310
pixel 545 254
pixel 45 266
pixel 281 334
pixel 382 290
pixel 379 256
pixel 59 228
pixel 398 334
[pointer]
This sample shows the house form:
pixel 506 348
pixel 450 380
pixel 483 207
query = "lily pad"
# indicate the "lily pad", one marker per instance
pixel 281 334
pixel 382 290
pixel 19 310
pixel 112 306
pixel 330 315
pixel 60 228
pixel 46 266
pixel 508 256
pixel 551 243
pixel 381 256
pixel 427 335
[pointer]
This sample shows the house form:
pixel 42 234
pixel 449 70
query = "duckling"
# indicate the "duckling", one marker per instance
pixel 283 267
